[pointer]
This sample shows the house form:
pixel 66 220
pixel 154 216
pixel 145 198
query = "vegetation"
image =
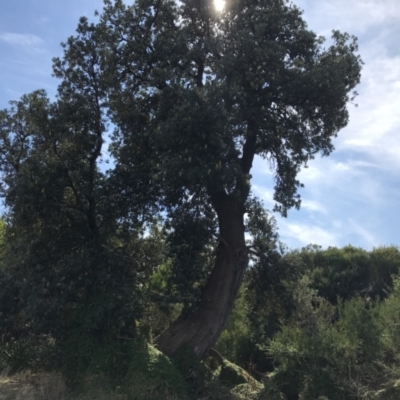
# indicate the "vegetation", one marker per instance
pixel 307 348
pixel 193 96
pixel 138 282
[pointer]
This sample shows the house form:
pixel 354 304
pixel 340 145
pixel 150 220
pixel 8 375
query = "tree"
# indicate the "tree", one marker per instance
pixel 194 96
pixel 65 252
pixel 71 269
pixel 348 272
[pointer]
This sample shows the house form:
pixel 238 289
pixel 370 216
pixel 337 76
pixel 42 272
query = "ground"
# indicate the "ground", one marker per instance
pixel 153 377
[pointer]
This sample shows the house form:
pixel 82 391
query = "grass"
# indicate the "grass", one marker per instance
pixel 29 386
pixel 151 376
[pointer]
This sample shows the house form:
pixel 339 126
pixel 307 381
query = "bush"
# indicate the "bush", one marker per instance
pixel 29 353
pixel 318 354
pixel 235 341
pixel 151 374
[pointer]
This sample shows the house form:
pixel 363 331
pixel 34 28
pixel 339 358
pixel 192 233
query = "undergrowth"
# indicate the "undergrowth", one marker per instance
pixel 147 375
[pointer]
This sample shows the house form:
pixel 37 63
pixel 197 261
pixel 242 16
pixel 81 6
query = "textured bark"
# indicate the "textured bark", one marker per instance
pixel 202 330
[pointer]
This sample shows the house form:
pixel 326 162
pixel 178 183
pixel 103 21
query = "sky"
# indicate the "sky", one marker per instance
pixel 352 196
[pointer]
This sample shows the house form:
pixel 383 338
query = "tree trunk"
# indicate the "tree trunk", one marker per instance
pixel 202 330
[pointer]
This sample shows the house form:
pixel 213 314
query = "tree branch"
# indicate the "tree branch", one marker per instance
pixel 249 151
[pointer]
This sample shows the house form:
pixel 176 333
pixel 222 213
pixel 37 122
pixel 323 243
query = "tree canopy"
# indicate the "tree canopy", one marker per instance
pixel 192 96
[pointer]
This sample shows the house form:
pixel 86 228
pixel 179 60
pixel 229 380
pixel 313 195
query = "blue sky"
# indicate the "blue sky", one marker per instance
pixel 350 197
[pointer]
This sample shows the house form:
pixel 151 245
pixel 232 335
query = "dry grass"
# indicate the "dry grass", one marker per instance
pixel 4 373
pixel 26 386
pixel 16 387
pixel 52 387
pixel 29 386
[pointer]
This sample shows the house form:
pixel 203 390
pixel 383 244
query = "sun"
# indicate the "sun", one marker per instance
pixel 219 4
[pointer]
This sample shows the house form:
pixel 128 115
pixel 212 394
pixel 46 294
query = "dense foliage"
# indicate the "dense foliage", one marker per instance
pixel 323 341
pixel 95 261
pixel 193 96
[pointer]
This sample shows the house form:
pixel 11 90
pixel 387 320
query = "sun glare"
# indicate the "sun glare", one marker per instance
pixel 219 4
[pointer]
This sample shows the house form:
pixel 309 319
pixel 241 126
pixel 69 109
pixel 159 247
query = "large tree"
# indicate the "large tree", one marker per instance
pixel 194 95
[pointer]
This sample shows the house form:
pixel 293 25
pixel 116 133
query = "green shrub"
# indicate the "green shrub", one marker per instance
pixel 151 374
pixel 235 341
pixel 29 353
pixel 317 356
pixel 359 333
pixel 389 311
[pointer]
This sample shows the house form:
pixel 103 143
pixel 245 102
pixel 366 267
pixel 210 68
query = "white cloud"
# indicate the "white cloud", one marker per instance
pixel 313 205
pixel 43 20
pixel 364 233
pixel 338 233
pixel 353 16
pixel 333 183
pixel 311 173
pixel 337 224
pixel 307 234
pixel 265 194
pixel 21 39
pixel 374 126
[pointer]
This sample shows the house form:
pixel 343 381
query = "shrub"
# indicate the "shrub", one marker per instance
pixel 319 354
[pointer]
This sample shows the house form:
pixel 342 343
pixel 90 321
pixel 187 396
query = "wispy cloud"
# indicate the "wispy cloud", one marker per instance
pixel 359 15
pixel 342 203
pixel 313 205
pixel 374 127
pixel 364 233
pixel 42 20
pixel 21 39
pixel 352 179
pixel 304 234
pixel 265 194
pixel 338 233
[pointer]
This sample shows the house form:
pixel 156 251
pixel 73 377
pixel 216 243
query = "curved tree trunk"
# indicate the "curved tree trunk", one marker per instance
pixel 202 330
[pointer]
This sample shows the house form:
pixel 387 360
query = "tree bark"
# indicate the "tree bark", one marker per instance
pixel 201 331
